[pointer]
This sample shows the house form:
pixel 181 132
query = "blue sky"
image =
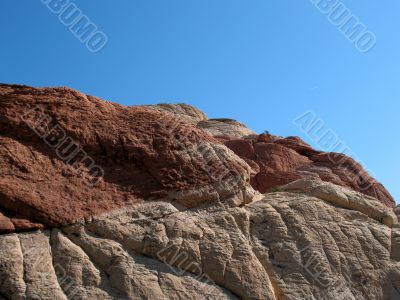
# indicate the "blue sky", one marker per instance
pixel 263 62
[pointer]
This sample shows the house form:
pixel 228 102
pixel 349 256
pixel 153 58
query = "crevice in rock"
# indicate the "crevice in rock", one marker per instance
pixel 278 292
pixel 105 276
pixel 54 263
pixel 129 251
pixel 24 277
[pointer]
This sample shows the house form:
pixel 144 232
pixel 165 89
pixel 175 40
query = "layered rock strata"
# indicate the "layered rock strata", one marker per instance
pixel 102 201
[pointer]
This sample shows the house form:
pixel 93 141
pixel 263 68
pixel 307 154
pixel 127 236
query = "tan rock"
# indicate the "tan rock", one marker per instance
pixel 288 245
pixel 395 247
pixel 181 111
pixel 225 127
pixel 12 281
pixel 343 197
pixel 176 218
pixel 39 273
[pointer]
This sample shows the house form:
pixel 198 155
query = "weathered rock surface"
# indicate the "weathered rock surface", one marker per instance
pixel 276 162
pixel 66 156
pixel 225 128
pixel 343 197
pixel 220 128
pixel 174 216
pixel 288 245
pixel 181 111
pixel 397 211
pixel 11 222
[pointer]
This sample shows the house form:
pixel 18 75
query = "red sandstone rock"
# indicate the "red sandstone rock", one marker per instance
pixel 144 154
pixel 6 225
pixel 10 223
pixel 281 161
pixel 254 251
pixel 22 224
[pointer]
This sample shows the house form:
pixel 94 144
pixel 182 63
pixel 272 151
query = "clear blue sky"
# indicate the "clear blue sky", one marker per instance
pixel 263 62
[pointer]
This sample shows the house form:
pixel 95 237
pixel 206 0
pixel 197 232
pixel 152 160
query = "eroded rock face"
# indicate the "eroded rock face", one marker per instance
pixel 10 222
pixel 182 111
pixel 276 162
pixel 221 128
pixel 288 245
pixel 173 216
pixel 343 197
pixel 397 211
pixel 66 156
pixel 225 128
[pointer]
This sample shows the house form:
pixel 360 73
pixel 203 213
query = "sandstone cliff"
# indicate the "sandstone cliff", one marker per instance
pixel 102 201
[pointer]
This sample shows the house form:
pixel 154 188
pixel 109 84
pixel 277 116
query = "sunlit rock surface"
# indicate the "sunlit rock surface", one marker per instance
pixel 174 214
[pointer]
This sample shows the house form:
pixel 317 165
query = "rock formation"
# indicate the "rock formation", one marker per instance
pixel 102 201
pixel 225 127
pixel 56 142
pixel 279 161
pixel 276 161
pixel 181 111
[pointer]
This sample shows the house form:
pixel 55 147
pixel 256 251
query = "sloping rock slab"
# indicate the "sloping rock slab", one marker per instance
pixel 65 156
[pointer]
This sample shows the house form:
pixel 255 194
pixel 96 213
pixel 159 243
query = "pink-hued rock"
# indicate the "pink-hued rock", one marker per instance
pixel 11 223
pixel 173 216
pixel 281 161
pixel 6 225
pixel 143 153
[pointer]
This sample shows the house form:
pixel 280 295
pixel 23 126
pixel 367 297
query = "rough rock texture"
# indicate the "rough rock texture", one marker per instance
pixel 173 216
pixel 397 211
pixel 288 245
pixel 181 111
pixel 220 128
pixel 225 128
pixel 343 197
pixel 50 138
pixel 10 222
pixel 276 162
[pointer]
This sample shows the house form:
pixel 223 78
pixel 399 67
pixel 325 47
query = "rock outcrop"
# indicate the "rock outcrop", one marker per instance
pixel 225 128
pixel 287 245
pixel 397 211
pixel 278 161
pixel 180 111
pixel 343 197
pixel 65 156
pixel 102 201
